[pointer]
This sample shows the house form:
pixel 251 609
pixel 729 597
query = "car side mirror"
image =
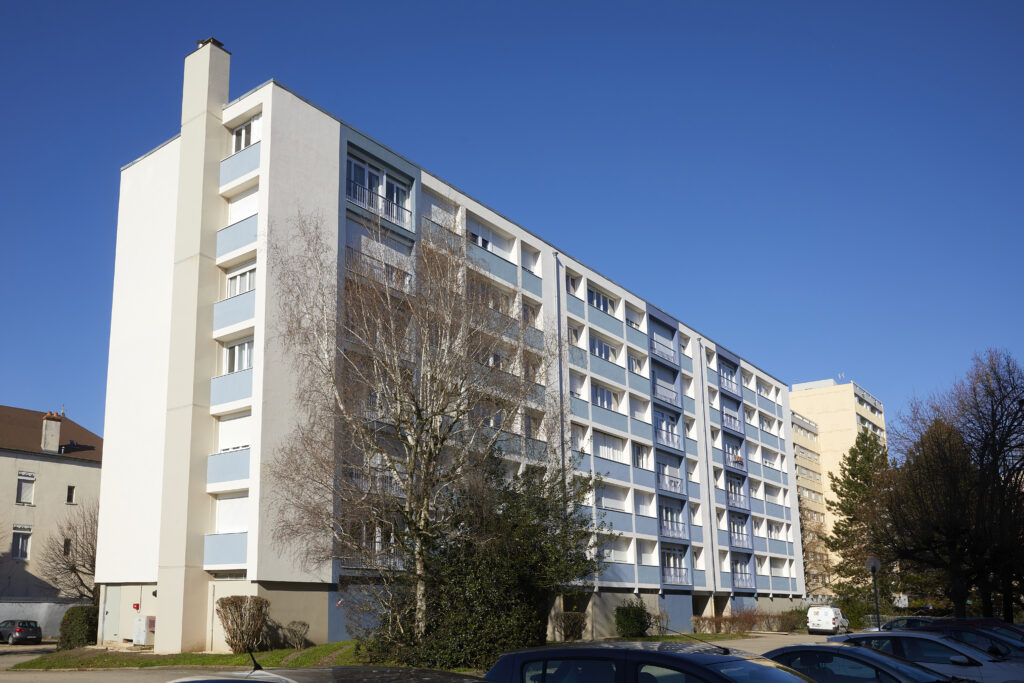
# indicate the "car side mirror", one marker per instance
pixel 959 660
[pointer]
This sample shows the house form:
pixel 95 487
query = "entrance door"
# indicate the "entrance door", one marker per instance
pixel 112 613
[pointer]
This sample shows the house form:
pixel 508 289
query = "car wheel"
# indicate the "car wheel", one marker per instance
pixel 10 639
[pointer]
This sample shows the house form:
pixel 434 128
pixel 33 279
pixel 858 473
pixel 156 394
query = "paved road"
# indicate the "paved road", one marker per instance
pixel 763 642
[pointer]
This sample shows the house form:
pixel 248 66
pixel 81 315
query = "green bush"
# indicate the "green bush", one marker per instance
pixel 632 618
pixel 571 625
pixel 78 627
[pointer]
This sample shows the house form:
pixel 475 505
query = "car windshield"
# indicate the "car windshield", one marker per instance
pixel 28 624
pixel 757 670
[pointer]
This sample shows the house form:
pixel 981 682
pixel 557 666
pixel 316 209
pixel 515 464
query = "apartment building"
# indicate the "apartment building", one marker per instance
pixel 840 412
pixel 693 441
pixel 810 494
pixel 50 467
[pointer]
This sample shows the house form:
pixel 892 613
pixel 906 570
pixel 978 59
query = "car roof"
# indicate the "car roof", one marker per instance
pixel 697 652
pixel 856 651
pixel 377 674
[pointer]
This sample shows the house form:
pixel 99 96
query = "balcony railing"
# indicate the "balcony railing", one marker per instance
pixel 735 459
pixel 729 385
pixel 738 500
pixel 633 323
pixel 742 580
pixel 673 575
pixel 731 421
pixel 667 482
pixel 379 204
pixel 666 394
pixel 369 266
pixel 666 438
pixel 739 540
pixel 663 350
pixel 673 529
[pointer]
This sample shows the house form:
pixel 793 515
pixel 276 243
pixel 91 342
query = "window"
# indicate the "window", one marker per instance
pixel 530 314
pixel 20 543
pixel 572 283
pixel 479 240
pixel 636 364
pixel 601 349
pixel 241 279
pixel 600 301
pixel 574 335
pixel 246 134
pixel 26 487
pixel 377 190
pixel 238 356
pixel 602 397
pixel 576 384
pixel 641 456
pixel 67 546
pixel 609 447
pixel 566 670
pixel 71 495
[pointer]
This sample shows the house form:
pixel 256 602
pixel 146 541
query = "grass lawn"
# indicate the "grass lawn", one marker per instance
pixel 90 658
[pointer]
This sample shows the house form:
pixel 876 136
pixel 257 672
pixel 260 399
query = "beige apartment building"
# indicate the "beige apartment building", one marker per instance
pixel 810 493
pixel 839 411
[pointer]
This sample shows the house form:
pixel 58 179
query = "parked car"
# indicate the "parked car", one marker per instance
pixel 978 637
pixel 16 631
pixel 940 653
pixel 844 662
pixel 643 662
pixel 826 619
pixel 333 674
pixel 903 623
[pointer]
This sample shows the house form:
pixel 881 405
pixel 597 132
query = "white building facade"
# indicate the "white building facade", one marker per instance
pixel 693 441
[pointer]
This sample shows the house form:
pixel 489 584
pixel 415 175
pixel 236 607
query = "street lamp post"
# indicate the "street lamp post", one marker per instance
pixel 873 566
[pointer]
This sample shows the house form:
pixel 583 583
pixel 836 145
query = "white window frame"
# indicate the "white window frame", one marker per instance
pixel 602 397
pixel 600 301
pixel 24 478
pixel 21 551
pixel 238 356
pixel 602 349
pixel 245 135
pixel 240 279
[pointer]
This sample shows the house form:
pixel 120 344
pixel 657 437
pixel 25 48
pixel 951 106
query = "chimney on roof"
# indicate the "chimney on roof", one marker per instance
pixel 51 433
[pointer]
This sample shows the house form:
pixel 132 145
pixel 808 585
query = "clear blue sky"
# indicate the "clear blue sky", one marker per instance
pixel 822 187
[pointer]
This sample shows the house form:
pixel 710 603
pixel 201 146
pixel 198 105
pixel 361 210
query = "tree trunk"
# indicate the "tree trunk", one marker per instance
pixel 958 595
pixel 985 588
pixel 421 589
pixel 1006 584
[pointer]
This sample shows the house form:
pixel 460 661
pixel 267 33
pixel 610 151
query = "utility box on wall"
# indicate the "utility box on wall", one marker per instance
pixel 142 633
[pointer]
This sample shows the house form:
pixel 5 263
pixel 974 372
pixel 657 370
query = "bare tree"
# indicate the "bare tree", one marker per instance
pixel 414 369
pixel 817 568
pixel 68 559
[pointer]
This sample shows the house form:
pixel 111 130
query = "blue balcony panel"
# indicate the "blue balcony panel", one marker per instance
pixel 716 416
pixel 689 405
pixel 720 496
pixel 757 505
pixel 225 549
pixel 640 428
pixel 788 543
pixel 227 466
pixel 575 306
pixel 699 578
pixel 693 489
pixel 647 574
pixel 579 407
pixel 780 583
pixel 534 337
pixel 234 386
pixel 716 456
pixel 584 462
pixel 240 163
pixel 768 439
pixel 578 357
pixel 749 396
pixel 774 509
pixel 618 572
pixel 772 474
pixel 611 469
pixel 609 418
pixel 643 477
pixel 646 525
pixel 237 235
pixel 606 322
pixel 237 309
pixel 760 543
pixel 686 363
pixel 599 366
pixel 763 583
pixel 777 547
pixel 636 337
pixel 766 404
pixel 532 283
pixel 723 537
pixel 778 410
pixel 726 578
pixel 751 431
pixel 786 512
pixel 691 446
pixel 615 520
pixel 537 393
pixel 754 468
pixel 586 511
pixel 696 533
pixel 492 263
pixel 639 383
pixel 712 377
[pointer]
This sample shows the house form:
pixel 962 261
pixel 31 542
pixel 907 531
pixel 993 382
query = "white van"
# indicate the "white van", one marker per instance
pixel 826 619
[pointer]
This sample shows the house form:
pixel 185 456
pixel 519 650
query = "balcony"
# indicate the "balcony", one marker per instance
pixel 666 438
pixel 742 580
pixel 237 236
pixel 738 500
pixel 739 540
pixel 731 422
pixel 364 265
pixel 225 550
pixel 666 482
pixel 666 394
pixel 227 466
pixel 379 205
pixel 673 575
pixel 673 529
pixel 240 164
pixel 234 386
pixel 234 311
pixel 730 385
pixel 663 350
